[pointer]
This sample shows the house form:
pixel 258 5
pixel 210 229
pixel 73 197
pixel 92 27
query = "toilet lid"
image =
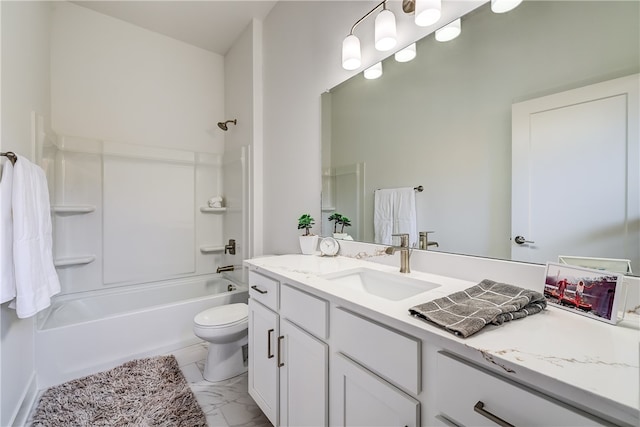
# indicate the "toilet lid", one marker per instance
pixel 223 315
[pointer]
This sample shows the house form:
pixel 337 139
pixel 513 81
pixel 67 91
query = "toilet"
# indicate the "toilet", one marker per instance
pixel 225 329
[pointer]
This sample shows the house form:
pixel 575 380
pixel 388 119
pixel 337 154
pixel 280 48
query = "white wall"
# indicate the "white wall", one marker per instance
pixel 111 80
pixel 25 88
pixel 238 102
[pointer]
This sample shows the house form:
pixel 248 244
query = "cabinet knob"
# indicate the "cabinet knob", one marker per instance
pixel 479 408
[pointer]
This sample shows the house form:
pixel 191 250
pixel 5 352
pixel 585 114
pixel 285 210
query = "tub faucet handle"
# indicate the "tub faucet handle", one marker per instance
pixel 231 247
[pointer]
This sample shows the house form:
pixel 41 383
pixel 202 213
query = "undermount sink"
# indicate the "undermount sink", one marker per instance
pixel 381 284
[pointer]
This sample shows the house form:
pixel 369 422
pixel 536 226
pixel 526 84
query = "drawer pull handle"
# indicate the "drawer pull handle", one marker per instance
pixel 258 289
pixel 269 355
pixel 280 362
pixel 479 408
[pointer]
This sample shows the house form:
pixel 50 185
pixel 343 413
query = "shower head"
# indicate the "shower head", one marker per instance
pixel 224 127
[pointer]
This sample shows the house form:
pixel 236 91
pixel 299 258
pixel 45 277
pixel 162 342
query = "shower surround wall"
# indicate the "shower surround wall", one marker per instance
pixel 127 214
pixel 135 113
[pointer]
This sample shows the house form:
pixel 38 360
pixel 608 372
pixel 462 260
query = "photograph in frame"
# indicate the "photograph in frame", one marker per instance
pixel 592 293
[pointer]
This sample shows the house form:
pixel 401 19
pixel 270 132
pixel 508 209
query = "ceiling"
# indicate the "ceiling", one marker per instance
pixel 212 25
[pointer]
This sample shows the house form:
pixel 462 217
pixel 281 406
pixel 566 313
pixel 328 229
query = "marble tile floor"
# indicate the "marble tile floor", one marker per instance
pixel 226 403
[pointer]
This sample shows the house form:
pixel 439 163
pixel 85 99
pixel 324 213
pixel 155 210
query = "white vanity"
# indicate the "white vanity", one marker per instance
pixel 323 352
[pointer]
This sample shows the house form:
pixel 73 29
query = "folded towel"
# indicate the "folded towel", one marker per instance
pixel 465 313
pixel 35 274
pixel 7 279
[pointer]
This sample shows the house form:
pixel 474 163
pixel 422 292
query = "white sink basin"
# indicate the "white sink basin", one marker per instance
pixel 385 285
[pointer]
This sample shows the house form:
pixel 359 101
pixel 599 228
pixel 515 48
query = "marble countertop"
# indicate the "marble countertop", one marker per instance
pixel 589 363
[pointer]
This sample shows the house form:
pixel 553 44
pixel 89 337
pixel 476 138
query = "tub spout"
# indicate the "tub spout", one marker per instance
pixel 224 268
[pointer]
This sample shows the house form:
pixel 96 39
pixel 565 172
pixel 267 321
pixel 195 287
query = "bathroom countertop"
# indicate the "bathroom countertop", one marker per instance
pixel 584 361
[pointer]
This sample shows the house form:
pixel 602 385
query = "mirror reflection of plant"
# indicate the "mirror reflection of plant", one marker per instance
pixel 305 222
pixel 346 222
pixel 337 219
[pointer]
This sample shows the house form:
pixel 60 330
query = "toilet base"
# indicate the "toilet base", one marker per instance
pixel 224 361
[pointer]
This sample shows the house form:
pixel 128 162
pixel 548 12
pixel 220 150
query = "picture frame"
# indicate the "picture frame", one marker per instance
pixel 610 264
pixel 597 294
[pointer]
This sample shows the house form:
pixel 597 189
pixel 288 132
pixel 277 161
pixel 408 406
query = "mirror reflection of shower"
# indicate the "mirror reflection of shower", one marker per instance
pixel 223 125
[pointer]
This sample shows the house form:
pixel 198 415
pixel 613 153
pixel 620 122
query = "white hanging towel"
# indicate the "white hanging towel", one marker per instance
pixel 404 209
pixel 383 201
pixel 7 279
pixel 35 274
pixel 394 213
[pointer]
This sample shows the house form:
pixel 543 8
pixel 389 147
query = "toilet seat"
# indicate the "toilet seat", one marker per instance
pixel 223 316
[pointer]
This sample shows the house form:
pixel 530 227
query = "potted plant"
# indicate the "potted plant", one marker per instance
pixel 343 221
pixel 308 241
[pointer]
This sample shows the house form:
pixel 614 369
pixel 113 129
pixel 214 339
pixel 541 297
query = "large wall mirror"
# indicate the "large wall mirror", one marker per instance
pixel 444 122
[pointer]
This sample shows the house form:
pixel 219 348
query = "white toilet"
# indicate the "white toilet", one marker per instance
pixel 225 328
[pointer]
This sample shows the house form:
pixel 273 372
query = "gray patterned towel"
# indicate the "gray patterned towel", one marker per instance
pixel 465 313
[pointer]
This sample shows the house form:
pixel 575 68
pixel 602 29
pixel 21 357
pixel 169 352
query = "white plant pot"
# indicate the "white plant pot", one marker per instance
pixel 342 236
pixel 308 244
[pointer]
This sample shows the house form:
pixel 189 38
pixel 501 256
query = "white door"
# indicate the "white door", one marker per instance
pixel 361 398
pixel 304 378
pixel 575 174
pixel 263 370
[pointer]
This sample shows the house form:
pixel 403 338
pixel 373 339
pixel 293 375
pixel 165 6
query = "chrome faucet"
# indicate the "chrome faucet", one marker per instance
pixel 404 252
pixel 225 268
pixel 231 247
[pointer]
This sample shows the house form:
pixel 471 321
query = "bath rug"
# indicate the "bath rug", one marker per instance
pixel 144 392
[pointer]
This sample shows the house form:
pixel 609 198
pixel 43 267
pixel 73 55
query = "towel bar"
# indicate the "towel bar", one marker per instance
pixel 11 156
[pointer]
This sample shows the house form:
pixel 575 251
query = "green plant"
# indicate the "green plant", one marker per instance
pixel 336 218
pixel 306 222
pixel 346 222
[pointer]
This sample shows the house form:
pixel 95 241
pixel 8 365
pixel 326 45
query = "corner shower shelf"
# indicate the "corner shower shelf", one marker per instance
pixel 206 209
pixel 72 209
pixel 209 249
pixel 78 260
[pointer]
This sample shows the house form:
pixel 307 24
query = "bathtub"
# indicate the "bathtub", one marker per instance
pixel 81 335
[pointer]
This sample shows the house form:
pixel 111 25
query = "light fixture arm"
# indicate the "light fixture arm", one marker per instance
pixel 383 3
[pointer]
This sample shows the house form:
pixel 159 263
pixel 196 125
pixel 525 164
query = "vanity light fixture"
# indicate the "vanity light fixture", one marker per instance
pixel 449 31
pixel 374 71
pixel 501 6
pixel 385 37
pixel 385 29
pixel 428 12
pixel 406 54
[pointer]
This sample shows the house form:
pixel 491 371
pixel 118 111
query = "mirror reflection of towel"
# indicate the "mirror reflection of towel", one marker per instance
pixel 394 212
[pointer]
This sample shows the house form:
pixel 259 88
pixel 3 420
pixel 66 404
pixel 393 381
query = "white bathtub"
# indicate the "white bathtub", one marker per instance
pixel 78 336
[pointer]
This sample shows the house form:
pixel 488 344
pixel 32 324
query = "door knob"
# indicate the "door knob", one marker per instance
pixel 521 240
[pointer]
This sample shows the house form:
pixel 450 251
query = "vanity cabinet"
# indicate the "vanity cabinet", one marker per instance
pixel 470 396
pixel 288 362
pixel 375 372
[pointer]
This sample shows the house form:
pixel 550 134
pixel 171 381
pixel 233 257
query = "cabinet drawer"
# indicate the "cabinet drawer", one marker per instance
pixel 264 289
pixel 305 310
pixel 461 386
pixel 391 354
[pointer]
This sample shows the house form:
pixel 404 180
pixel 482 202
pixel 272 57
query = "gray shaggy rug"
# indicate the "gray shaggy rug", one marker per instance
pixel 144 392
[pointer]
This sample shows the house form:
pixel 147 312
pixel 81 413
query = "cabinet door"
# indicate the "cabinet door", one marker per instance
pixel 263 369
pixel 360 398
pixel 304 377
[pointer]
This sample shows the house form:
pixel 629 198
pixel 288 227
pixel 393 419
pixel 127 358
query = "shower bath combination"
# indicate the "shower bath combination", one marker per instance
pixel 223 125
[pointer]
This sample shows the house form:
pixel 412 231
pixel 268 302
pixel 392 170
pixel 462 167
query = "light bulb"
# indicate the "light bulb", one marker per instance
pixel 385 30
pixel 501 6
pixel 406 54
pixel 374 71
pixel 351 58
pixel 428 12
pixel 449 31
